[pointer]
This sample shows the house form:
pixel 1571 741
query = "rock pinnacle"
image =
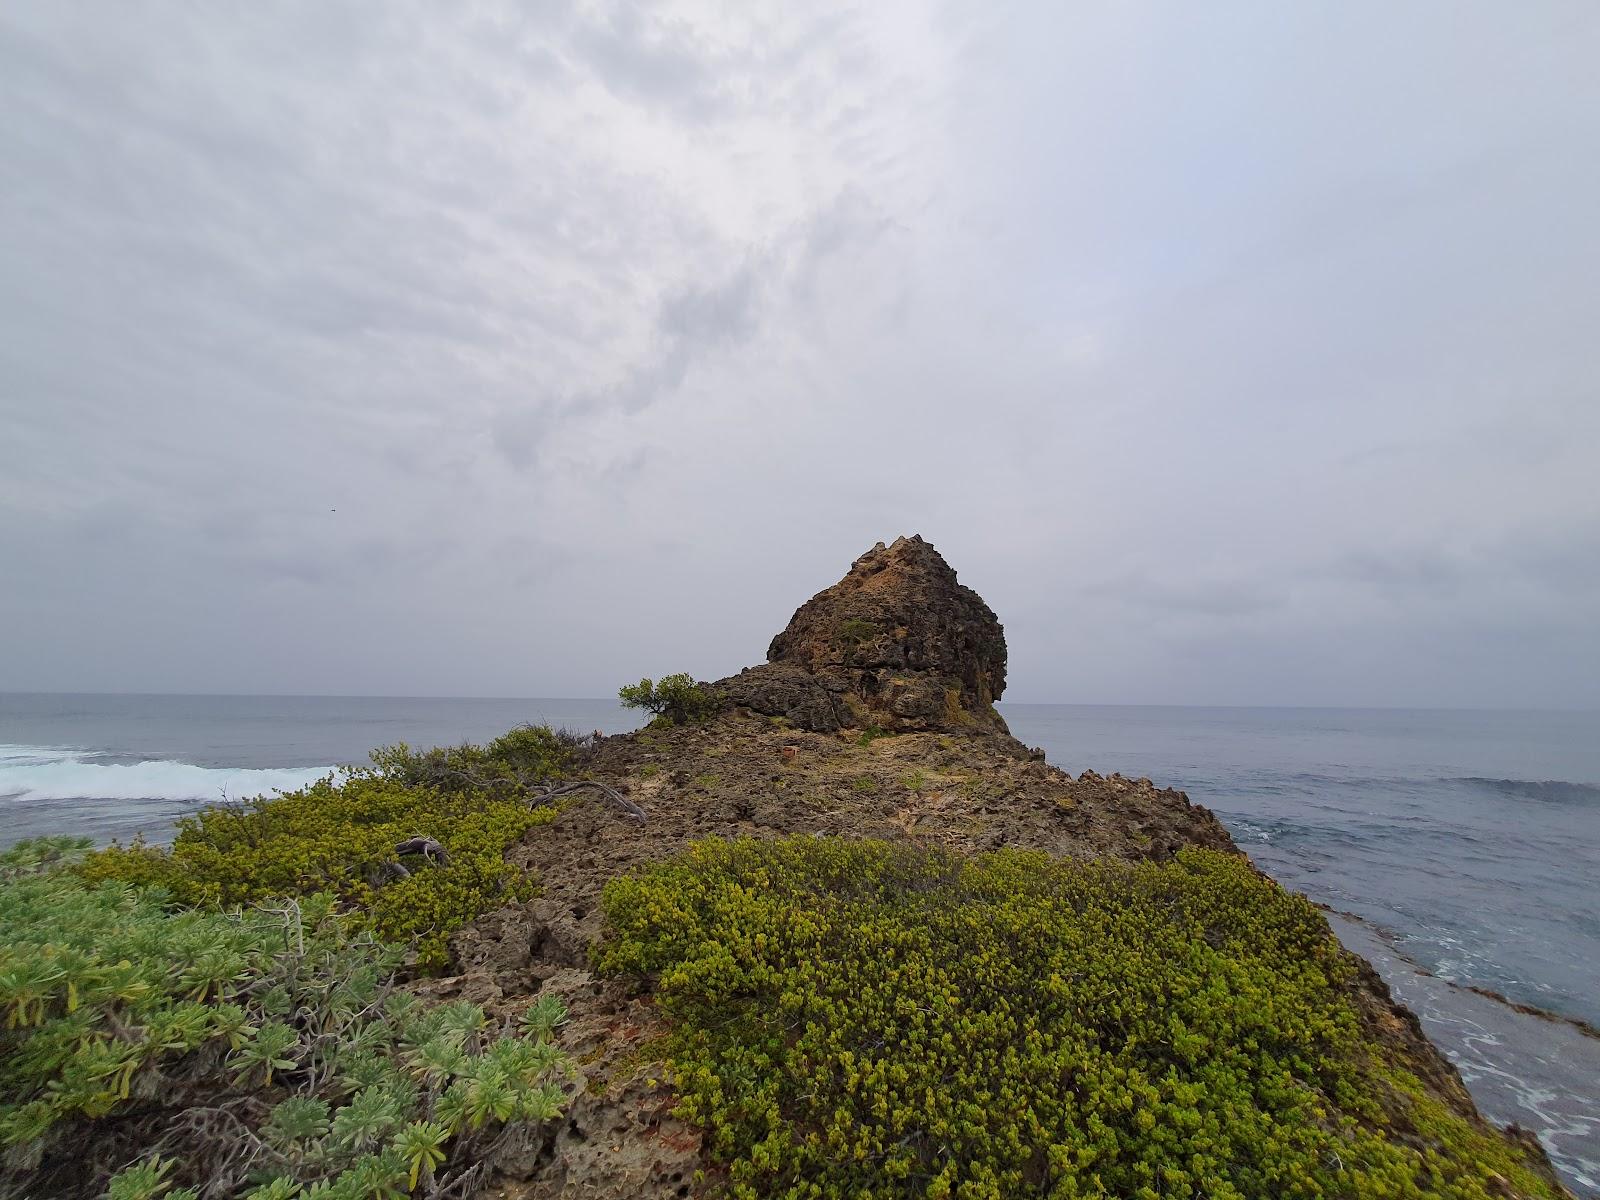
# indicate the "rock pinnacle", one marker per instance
pixel 898 643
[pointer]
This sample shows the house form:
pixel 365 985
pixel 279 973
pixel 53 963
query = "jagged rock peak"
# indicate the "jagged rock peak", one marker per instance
pixel 898 643
pixel 900 609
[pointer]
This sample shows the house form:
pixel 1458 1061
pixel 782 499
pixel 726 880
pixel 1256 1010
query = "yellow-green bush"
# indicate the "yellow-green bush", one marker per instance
pixel 526 755
pixel 336 835
pixel 864 1019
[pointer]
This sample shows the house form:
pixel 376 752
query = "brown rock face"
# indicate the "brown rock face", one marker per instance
pixel 897 643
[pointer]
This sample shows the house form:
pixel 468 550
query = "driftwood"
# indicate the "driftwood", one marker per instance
pixel 540 796
pixel 539 793
pixel 387 872
pixel 427 847
pixel 549 793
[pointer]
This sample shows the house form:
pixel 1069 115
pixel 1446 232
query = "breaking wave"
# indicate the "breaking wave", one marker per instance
pixel 35 773
pixel 1557 790
pixel 1270 783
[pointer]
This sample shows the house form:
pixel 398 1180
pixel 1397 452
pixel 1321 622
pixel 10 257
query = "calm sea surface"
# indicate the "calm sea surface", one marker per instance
pixel 1467 842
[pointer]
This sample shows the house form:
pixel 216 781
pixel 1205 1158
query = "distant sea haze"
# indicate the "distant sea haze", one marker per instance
pixel 1468 841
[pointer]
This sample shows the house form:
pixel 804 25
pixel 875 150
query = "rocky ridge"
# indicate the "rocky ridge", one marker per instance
pixel 872 718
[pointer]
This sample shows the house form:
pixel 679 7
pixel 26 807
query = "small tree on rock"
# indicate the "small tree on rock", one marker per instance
pixel 675 700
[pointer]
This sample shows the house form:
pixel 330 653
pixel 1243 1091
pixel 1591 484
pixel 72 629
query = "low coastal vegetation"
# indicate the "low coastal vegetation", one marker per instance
pixel 260 1052
pixel 867 1019
pixel 341 836
pixel 232 1016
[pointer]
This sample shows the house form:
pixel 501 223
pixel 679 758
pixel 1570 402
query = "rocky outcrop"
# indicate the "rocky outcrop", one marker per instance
pixel 897 644
pixel 792 693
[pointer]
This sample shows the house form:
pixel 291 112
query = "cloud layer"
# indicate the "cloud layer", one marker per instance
pixel 1235 355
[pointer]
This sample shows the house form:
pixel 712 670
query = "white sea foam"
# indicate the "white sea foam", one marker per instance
pixel 23 756
pixel 34 773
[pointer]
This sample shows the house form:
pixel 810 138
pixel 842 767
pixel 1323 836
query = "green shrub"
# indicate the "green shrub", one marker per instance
pixel 339 835
pixel 675 700
pixel 269 1045
pixel 529 754
pixel 865 1019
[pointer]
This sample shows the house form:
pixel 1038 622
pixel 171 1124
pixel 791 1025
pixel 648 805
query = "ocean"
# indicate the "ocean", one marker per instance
pixel 1461 847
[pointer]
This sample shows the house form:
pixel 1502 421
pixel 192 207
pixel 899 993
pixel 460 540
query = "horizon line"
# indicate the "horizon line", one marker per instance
pixel 612 700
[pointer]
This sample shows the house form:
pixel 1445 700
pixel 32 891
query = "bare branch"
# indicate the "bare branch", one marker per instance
pixel 551 794
pixel 425 846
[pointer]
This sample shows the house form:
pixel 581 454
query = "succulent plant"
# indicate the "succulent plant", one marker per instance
pixel 134 995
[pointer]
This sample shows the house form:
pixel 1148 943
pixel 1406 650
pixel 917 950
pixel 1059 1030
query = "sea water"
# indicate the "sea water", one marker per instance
pixel 1465 844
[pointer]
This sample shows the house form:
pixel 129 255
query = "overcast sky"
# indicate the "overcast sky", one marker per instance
pixel 1235 353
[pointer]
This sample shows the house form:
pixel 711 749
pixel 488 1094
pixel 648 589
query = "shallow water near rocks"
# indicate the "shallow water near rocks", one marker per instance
pixel 1540 1073
pixel 1467 844
pixel 1472 837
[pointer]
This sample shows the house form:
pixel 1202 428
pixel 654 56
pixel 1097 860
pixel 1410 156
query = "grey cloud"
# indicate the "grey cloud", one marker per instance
pixel 1423 570
pixel 650 58
pixel 724 311
pixel 691 321
pixel 1559 568
pixel 1222 598
pixel 612 333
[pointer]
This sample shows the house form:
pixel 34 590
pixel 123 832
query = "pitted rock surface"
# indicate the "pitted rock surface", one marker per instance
pixel 898 643
pixel 800 697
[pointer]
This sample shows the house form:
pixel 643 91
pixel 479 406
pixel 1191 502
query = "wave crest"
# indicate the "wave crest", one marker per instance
pixel 1559 791
pixel 41 773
